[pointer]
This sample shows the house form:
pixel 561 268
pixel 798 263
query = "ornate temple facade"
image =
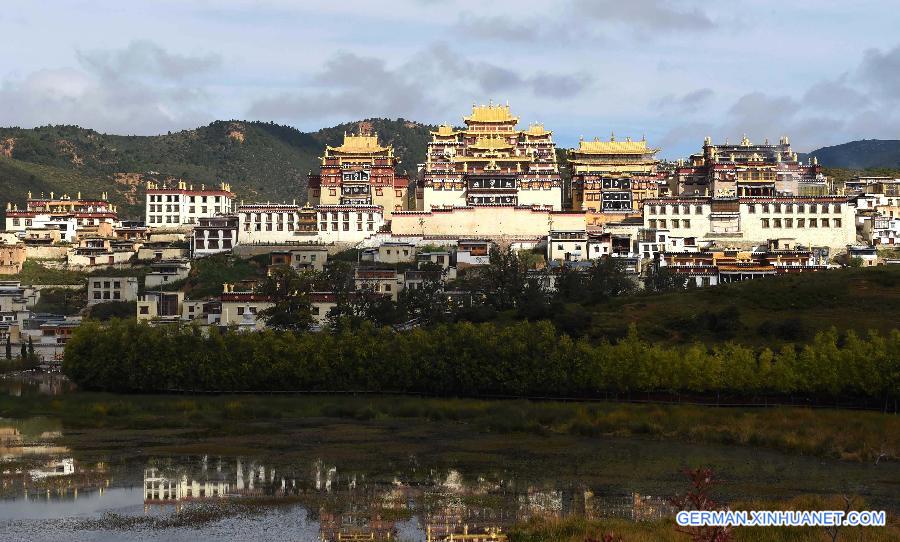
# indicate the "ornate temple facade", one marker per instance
pixel 360 172
pixel 43 211
pixel 748 170
pixel 491 162
pixel 612 176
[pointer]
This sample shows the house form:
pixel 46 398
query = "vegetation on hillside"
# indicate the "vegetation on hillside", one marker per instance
pixel 863 154
pixel 261 160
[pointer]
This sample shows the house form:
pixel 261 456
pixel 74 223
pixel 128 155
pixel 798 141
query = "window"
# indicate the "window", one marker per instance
pixel 824 208
pixel 765 223
pixel 777 208
pixel 387 287
pixel 145 310
pixel 751 209
pixel 346 226
pixel 674 209
pixel 698 210
pixel 97 295
pixel 824 222
pixel 765 208
pixel 652 223
pixel 777 223
pixel 240 311
pixel 788 222
pixel 801 222
pixel 662 223
pixel 812 222
pixel 836 222
pixel 836 207
pixel 801 208
pixel 685 223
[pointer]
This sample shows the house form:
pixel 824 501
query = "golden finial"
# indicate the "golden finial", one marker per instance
pixel 612 136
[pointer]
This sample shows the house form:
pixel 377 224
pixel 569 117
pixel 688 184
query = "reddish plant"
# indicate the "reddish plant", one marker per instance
pixel 699 498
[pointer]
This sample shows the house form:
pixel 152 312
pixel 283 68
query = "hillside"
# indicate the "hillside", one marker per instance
pixel 262 161
pixel 861 155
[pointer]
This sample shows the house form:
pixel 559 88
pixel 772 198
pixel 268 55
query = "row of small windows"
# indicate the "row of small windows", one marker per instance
pixel 292 217
pixel 799 208
pixel 674 223
pixel 346 226
pixel 154 208
pixel 801 223
pixel 675 209
pixel 177 198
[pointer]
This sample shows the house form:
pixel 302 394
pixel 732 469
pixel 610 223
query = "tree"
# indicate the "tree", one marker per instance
pixel 660 279
pixel 608 278
pixel 504 278
pixel 8 347
pixel 30 349
pixel 24 352
pixel 426 302
pixel 289 292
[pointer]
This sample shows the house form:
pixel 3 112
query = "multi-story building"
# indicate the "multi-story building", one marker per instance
pixel 709 267
pixel 57 211
pixel 164 272
pixel 491 162
pixel 109 289
pixel 748 169
pixel 360 172
pixel 241 308
pixel 281 222
pixel 183 205
pixel 12 257
pixel 824 221
pixel 612 176
pixel 213 235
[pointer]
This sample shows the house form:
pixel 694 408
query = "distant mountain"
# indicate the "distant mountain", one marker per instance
pixel 864 154
pixel 262 161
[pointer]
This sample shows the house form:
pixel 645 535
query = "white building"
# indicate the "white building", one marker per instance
pixel 816 221
pixel 109 289
pixel 214 235
pixel 184 205
pixel 275 223
pixel 166 272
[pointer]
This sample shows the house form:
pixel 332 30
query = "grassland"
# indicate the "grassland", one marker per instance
pixel 768 312
pixel 855 436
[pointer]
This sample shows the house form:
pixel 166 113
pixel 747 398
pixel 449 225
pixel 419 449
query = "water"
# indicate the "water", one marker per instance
pixel 314 480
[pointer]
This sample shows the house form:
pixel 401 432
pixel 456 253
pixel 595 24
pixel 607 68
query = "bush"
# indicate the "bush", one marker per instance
pixel 517 359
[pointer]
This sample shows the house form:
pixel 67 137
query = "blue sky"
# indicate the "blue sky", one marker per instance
pixel 821 72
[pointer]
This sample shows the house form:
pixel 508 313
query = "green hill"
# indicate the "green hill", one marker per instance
pixel 262 161
pixel 863 154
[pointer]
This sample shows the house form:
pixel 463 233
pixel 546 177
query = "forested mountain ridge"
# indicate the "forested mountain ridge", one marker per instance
pixel 860 155
pixel 262 161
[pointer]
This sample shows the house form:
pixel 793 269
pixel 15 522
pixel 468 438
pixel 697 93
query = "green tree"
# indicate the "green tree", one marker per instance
pixel 30 349
pixel 607 279
pixel 8 347
pixel 660 279
pixel 289 291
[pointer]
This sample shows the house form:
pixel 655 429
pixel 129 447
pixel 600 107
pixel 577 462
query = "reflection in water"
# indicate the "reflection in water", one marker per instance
pixel 444 506
pixel 25 384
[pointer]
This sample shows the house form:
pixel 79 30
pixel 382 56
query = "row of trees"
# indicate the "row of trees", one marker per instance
pixel 522 358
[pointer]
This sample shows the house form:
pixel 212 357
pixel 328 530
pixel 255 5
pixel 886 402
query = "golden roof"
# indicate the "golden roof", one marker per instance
pixel 359 144
pixel 490 144
pixel 491 113
pixel 613 147
pixel 445 130
pixel 537 129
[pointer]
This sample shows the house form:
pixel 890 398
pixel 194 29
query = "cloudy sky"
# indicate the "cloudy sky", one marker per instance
pixel 675 71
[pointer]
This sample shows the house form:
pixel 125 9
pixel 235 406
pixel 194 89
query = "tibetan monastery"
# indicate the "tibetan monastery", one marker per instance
pixel 748 170
pixel 612 176
pixel 360 172
pixel 491 162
